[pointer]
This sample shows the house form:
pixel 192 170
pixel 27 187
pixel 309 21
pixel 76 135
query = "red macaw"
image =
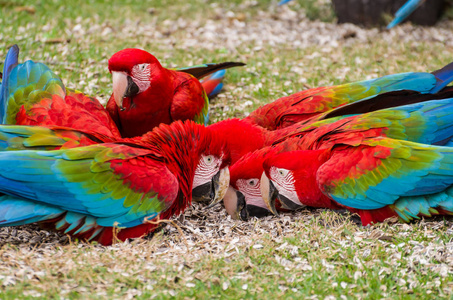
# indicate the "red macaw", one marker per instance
pixel 31 94
pixel 378 178
pixel 83 182
pixel 276 121
pixel 428 122
pixel 87 191
pixel 367 171
pixel 146 94
pixel 244 136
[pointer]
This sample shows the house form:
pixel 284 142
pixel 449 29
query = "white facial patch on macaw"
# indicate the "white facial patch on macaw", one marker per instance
pixel 283 181
pixel 251 189
pixel 141 75
pixel 207 167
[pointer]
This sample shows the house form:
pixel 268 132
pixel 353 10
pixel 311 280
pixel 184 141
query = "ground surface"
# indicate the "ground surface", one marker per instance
pixel 312 253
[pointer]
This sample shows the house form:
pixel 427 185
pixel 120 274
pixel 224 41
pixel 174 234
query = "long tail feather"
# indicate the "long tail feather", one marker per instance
pixel 388 100
pixel 283 2
pixel 404 12
pixel 206 69
pixel 444 77
pixel 11 61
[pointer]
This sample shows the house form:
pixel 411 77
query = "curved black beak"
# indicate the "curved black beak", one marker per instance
pixel 257 211
pixel 288 204
pixel 242 207
pixel 206 192
pixel 220 184
pixel 203 193
pixel 214 190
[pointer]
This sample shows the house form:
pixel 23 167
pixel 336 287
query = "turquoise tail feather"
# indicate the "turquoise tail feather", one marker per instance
pixel 283 2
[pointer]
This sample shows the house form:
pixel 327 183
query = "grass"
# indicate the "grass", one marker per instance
pixel 315 256
pixel 311 254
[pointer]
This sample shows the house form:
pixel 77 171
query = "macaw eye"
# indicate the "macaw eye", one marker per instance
pixel 208 159
pixel 142 67
pixel 283 172
pixel 253 182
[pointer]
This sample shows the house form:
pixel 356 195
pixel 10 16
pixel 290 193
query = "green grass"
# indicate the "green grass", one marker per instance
pixel 326 255
pixel 318 255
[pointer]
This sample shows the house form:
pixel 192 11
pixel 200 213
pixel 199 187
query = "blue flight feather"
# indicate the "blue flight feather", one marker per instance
pixel 406 174
pixel 16 211
pixel 283 2
pixel 218 75
pixel 217 90
pixel 443 76
pixel 11 61
pixel 404 12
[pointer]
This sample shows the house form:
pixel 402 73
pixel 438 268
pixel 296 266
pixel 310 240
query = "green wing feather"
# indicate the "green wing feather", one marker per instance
pixel 28 83
pixel 111 182
pixel 379 171
pixel 16 137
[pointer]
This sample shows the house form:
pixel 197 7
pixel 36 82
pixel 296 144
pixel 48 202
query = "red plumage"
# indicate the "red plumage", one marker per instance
pixel 76 110
pixel 163 95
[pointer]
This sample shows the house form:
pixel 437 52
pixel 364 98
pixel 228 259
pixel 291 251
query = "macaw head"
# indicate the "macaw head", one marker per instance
pixel 212 175
pixel 198 158
pixel 132 72
pixel 290 178
pixel 243 198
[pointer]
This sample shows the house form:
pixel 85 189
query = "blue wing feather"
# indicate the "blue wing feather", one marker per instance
pixel 40 178
pixel 409 7
pixel 411 170
pixel 283 2
pixel 11 60
pixel 14 211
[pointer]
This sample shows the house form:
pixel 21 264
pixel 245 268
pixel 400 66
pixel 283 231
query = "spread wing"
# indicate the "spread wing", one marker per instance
pixel 111 183
pixel 309 103
pixel 429 122
pixel 36 96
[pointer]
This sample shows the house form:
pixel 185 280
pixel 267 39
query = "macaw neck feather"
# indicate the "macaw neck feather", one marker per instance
pixel 241 137
pixel 180 145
